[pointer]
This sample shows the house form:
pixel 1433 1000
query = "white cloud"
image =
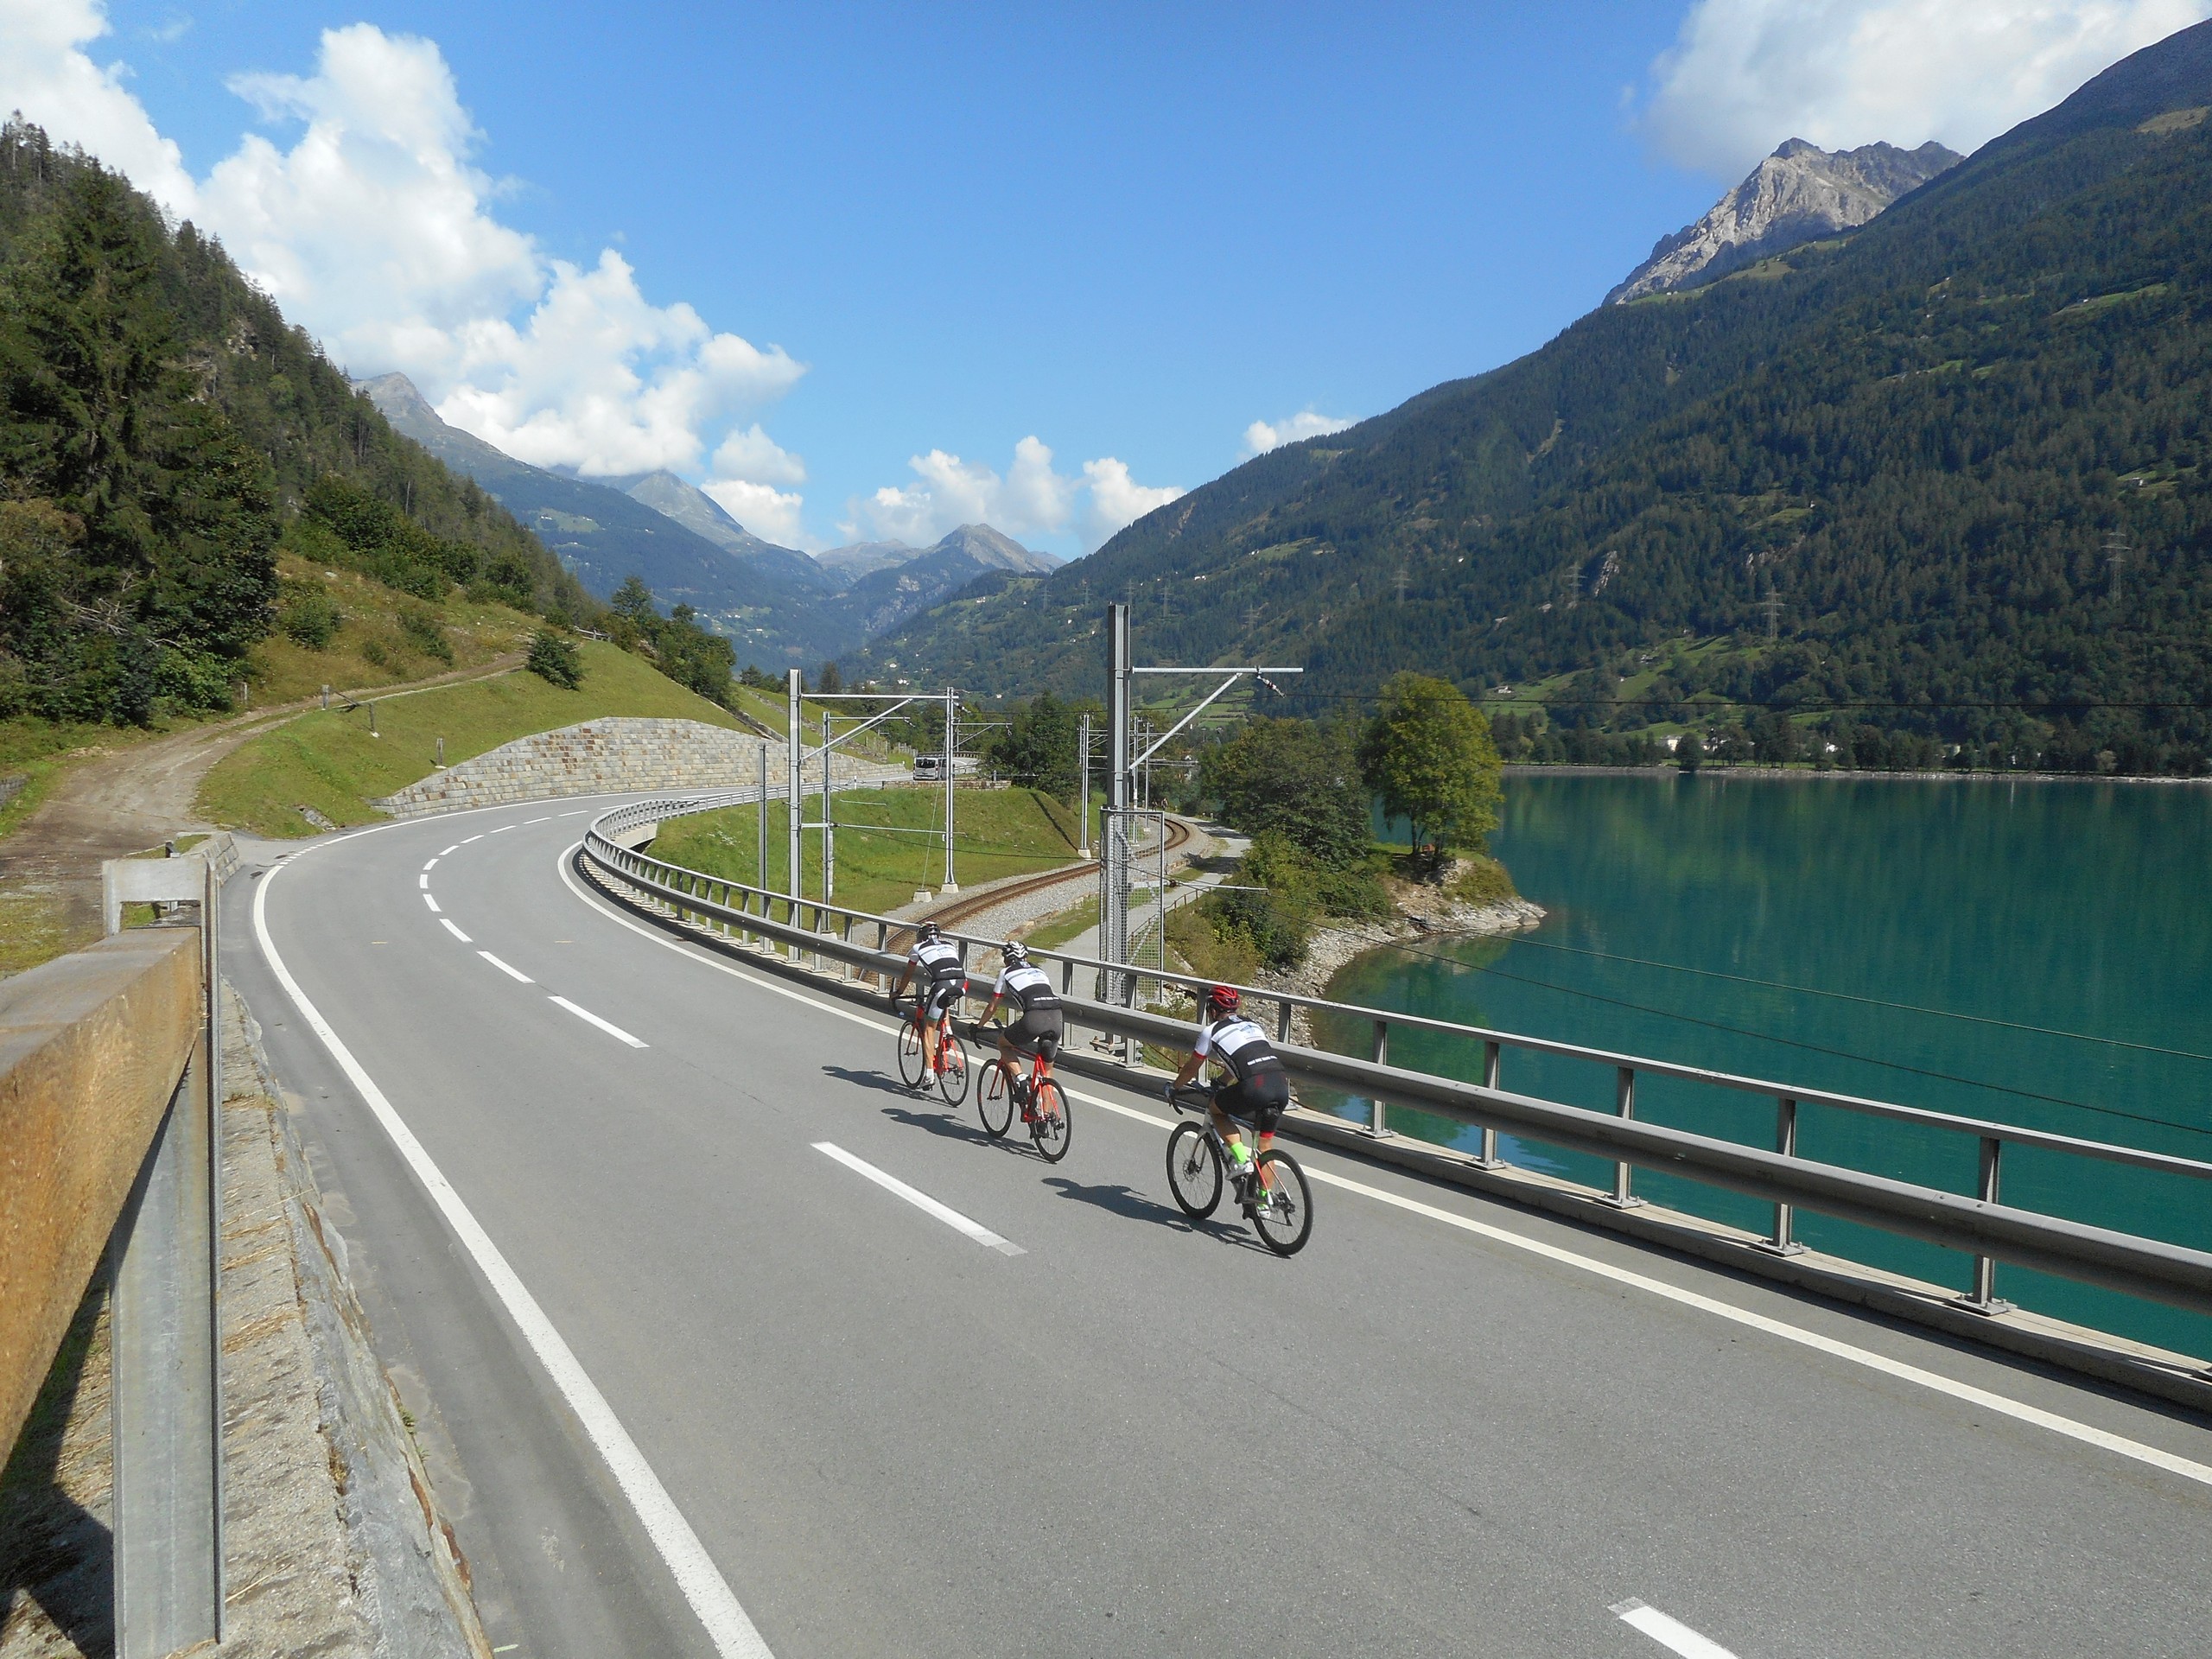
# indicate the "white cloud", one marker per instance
pixel 1262 435
pixel 1031 499
pixel 1116 500
pixel 45 74
pixel 768 512
pixel 1745 74
pixel 753 457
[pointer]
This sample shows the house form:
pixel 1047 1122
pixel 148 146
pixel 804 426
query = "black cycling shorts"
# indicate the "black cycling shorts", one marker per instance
pixel 1027 1035
pixel 940 994
pixel 1259 1099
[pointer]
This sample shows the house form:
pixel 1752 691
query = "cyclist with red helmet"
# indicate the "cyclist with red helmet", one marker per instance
pixel 1257 1088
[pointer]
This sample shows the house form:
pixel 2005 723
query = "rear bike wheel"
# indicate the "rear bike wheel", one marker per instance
pixel 910 1052
pixel 951 1069
pixel 1050 1128
pixel 993 1101
pixel 1194 1172
pixel 1282 1207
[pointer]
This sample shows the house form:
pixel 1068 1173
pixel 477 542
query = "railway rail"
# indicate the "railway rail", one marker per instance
pixel 1179 834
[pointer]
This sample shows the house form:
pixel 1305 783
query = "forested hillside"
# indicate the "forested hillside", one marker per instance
pixel 1940 483
pixel 163 432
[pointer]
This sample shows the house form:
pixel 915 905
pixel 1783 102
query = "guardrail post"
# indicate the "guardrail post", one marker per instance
pixel 1378 1124
pixel 1624 1106
pixel 1067 976
pixel 1784 1242
pixel 1983 1298
pixel 1489 1158
pixel 1282 1021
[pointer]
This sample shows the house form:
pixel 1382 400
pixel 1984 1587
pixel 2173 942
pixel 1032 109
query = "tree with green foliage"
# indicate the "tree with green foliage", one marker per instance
pixel 1037 745
pixel 1298 777
pixel 1428 755
pixel 556 658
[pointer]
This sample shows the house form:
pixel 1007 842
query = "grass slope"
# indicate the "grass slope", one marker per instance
pixel 995 832
pixel 329 760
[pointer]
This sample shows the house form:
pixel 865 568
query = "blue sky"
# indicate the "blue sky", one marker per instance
pixel 1127 233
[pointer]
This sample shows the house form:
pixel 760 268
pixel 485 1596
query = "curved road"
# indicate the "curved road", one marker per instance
pixel 1448 1427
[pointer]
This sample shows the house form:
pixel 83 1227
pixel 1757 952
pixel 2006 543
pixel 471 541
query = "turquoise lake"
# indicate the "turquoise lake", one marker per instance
pixel 1841 926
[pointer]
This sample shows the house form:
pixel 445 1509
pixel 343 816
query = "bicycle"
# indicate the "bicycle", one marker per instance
pixel 952 1054
pixel 1044 1106
pixel 1271 1191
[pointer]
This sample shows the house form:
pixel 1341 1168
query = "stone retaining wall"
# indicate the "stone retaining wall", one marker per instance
pixel 604 757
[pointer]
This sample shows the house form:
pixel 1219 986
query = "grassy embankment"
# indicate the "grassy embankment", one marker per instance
pixel 995 832
pixel 326 758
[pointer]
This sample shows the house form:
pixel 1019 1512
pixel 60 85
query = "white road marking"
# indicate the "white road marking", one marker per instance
pixel 527 822
pixel 2018 1410
pixel 1671 1633
pixel 512 973
pixel 454 849
pixel 920 1201
pixel 423 880
pixel 433 864
pixel 447 921
pixel 695 1572
pixel 503 829
pixel 577 814
pixel 478 836
pixel 606 1026
pixel 431 902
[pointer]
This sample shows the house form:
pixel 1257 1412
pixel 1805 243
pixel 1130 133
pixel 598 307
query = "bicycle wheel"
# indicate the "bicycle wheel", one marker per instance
pixel 1286 1220
pixel 993 1101
pixel 951 1069
pixel 1051 1128
pixel 1193 1170
pixel 910 1052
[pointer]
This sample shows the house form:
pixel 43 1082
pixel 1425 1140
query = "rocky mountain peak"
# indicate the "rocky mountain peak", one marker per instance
pixel 1797 194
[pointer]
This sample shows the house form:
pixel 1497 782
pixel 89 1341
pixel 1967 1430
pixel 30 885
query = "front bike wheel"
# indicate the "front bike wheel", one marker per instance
pixel 910 1052
pixel 993 1101
pixel 1050 1128
pixel 1194 1172
pixel 1282 1208
pixel 951 1069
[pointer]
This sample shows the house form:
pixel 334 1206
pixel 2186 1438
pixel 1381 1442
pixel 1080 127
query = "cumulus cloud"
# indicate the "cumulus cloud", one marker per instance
pixel 753 457
pixel 1745 74
pixel 771 514
pixel 45 74
pixel 1032 499
pixel 1264 435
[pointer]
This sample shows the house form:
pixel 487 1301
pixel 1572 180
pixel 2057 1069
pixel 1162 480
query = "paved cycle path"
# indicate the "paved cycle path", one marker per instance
pixel 1122 1433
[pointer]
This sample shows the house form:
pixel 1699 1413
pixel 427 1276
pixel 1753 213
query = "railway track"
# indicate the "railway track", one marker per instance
pixel 1178 835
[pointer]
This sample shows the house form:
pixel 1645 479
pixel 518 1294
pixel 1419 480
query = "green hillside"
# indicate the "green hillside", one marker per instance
pixel 1942 479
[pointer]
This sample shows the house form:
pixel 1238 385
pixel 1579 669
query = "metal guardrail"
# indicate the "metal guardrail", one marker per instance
pixel 109 1154
pixel 1978 1224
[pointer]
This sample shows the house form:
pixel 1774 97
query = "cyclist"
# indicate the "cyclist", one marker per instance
pixel 1042 1027
pixel 936 961
pixel 1257 1088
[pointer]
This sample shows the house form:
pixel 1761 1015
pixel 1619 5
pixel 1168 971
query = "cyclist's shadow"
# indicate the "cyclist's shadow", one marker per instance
pixel 935 1115
pixel 1127 1201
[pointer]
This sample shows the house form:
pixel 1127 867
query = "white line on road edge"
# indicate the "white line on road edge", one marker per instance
pixel 447 922
pixel 512 973
pixel 920 1201
pixel 586 1014
pixel 2018 1410
pixel 696 1574
pixel 1671 1633
pixel 431 902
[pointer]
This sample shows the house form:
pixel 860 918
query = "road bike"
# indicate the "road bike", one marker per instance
pixel 952 1054
pixel 1044 1107
pixel 1271 1190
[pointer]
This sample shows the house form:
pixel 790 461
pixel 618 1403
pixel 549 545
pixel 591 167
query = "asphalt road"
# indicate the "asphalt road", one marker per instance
pixel 1134 1435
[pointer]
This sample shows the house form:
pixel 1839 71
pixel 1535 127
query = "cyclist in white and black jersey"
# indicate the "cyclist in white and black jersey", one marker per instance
pixel 1257 1088
pixel 1042 1027
pixel 936 961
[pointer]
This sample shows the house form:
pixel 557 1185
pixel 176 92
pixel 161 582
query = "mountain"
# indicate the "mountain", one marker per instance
pixel 887 595
pixel 846 565
pixel 1946 475
pixel 1798 194
pixel 700 513
pixel 753 592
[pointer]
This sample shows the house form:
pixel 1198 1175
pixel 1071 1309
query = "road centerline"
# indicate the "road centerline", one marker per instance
pixel 447 922
pixel 510 972
pixel 590 1018
pixel 432 902
pixel 920 1201
pixel 1667 1631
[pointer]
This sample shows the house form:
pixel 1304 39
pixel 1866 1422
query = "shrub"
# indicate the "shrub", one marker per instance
pixel 555 659
pixel 423 630
pixel 308 616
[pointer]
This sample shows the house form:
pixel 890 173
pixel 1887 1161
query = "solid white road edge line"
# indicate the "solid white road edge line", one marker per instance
pixel 1667 1632
pixel 590 1018
pixel 696 1574
pixel 2018 1410
pixel 512 973
pixel 920 1201
pixel 447 922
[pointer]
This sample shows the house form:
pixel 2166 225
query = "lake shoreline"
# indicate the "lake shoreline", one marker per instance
pixel 1567 769
pixel 1330 949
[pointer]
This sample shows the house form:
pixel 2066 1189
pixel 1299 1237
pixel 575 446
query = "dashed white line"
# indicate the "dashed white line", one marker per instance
pixel 503 829
pixel 478 836
pixel 920 1201
pixel 432 902
pixel 433 864
pixel 527 822
pixel 573 814
pixel 423 880
pixel 454 849
pixel 447 921
pixel 512 973
pixel 606 1026
pixel 1669 1633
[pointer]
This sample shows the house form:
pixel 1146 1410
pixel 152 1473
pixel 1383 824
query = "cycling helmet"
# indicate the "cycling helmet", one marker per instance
pixel 1012 953
pixel 927 930
pixel 1223 999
